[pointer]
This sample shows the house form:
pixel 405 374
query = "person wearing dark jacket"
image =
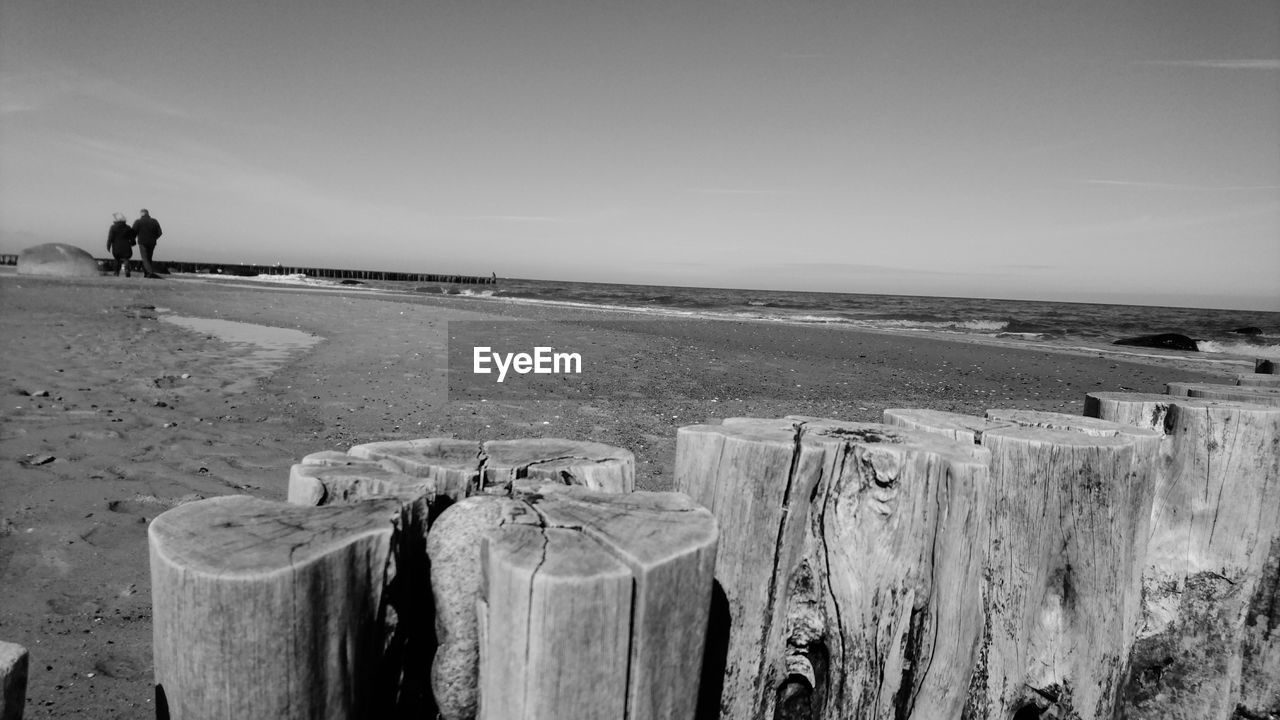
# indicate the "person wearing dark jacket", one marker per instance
pixel 147 231
pixel 120 242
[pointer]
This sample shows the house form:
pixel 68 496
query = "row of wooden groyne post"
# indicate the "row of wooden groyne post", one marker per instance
pixel 1123 563
pixel 252 270
pixel 315 272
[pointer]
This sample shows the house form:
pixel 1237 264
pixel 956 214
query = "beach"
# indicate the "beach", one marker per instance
pixel 114 412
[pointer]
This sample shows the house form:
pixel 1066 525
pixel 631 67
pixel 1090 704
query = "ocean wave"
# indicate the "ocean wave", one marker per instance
pixel 1238 347
pixel 984 326
pixel 292 279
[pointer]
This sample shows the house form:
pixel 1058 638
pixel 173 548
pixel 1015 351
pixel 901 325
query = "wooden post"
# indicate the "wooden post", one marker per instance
pixel 591 465
pixel 454 469
pixel 849 562
pixel 1258 380
pixel 454 465
pixel 589 604
pixel 328 478
pixel 266 609
pixel 13 680
pixel 1211 639
pixel 1066 551
pixel 1210 391
pixel 1062 604
pixel 965 429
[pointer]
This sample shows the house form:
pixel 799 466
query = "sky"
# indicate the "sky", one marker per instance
pixel 1086 151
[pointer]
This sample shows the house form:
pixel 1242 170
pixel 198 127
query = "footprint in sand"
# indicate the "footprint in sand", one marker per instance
pixel 107 536
pixel 149 505
pixel 64 604
pixel 121 667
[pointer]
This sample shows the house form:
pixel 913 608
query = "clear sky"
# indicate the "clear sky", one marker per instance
pixel 1106 151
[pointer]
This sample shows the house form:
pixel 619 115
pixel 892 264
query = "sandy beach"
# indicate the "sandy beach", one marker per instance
pixel 113 414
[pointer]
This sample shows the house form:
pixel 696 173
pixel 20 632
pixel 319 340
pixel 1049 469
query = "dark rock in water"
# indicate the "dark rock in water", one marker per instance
pixel 1248 330
pixel 57 259
pixel 1164 341
pixel 350 282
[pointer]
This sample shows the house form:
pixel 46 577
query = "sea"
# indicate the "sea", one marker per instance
pixel 1218 334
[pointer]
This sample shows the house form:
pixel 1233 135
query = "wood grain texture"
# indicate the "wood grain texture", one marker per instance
pixel 1211 602
pixel 591 465
pixel 454 465
pixel 1033 600
pixel 266 609
pixel 850 560
pixel 1252 394
pixel 14 662
pixel 457 469
pixel 965 429
pixel 1062 589
pixel 313 484
pixel 599 610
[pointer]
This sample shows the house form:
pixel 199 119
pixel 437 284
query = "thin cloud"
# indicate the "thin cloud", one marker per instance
pixel 1175 186
pixel 1262 64
pixel 31 91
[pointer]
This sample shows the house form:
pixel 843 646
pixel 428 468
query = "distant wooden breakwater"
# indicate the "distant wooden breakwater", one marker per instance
pixel 251 270
pixel 1023 564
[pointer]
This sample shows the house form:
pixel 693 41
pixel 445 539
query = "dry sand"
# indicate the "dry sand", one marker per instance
pixel 110 415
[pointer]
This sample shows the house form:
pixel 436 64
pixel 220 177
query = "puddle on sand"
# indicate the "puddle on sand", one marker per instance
pixel 270 347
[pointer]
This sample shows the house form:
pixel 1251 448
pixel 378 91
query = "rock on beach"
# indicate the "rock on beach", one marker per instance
pixel 57 259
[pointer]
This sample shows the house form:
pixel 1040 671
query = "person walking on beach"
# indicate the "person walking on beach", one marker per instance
pixel 148 231
pixel 120 242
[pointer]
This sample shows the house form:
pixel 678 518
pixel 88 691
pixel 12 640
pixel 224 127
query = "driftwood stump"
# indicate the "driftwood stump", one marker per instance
pixel 589 604
pixel 849 565
pixel 1256 394
pixel 1067 538
pixel 13 680
pixel 266 609
pixel 449 470
pixel 1211 639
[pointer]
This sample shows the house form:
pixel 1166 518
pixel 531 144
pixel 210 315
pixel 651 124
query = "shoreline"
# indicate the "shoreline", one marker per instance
pixel 114 415
pixel 1211 363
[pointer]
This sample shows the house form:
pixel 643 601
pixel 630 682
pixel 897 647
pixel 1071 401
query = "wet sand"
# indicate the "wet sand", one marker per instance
pixel 111 415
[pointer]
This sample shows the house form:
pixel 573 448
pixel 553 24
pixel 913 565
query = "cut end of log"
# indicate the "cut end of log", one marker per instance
pixel 13 680
pixel 961 428
pixel 238 534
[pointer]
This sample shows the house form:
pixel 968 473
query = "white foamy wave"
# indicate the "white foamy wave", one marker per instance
pixel 1241 349
pixel 986 326
pixel 290 279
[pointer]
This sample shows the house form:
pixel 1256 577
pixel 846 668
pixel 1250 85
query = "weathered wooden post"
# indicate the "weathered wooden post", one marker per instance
pixel 1211 640
pixel 451 469
pixel 13 680
pixel 331 477
pixel 1243 393
pixel 1258 380
pixel 266 609
pixel 1067 537
pixel 584 604
pixel 849 562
